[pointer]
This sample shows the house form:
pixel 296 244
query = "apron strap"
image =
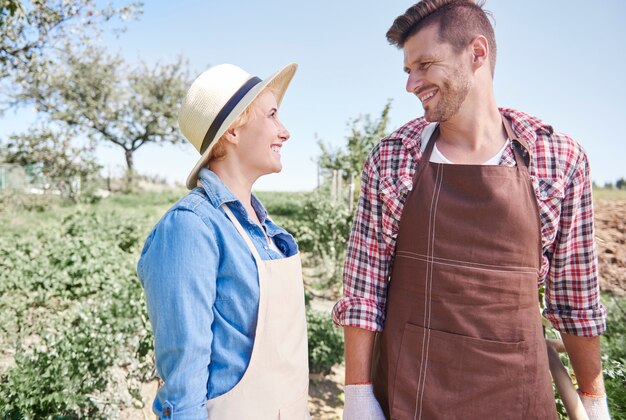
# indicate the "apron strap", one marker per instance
pixel 243 233
pixel 517 153
pixel 430 145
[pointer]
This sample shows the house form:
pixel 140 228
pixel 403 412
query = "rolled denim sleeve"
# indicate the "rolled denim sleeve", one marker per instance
pixel 178 269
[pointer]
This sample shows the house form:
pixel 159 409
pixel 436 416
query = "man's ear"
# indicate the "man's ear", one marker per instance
pixel 480 51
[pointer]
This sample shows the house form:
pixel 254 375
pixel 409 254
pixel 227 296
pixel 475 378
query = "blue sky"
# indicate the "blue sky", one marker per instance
pixel 561 60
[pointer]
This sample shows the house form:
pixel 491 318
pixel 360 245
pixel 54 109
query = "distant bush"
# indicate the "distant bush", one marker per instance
pixel 325 342
pixel 282 205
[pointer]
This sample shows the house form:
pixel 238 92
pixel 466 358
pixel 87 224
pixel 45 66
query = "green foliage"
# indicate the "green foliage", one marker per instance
pixel 614 355
pixel 32 32
pixel 72 314
pixel 325 342
pixel 365 132
pixel 98 95
pixel 10 9
pixel 322 229
pixel 611 193
pixel 283 205
pixel 615 383
pixel 72 311
pixel 53 161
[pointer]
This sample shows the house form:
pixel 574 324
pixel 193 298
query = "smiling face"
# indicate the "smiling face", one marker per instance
pixel 437 74
pixel 260 140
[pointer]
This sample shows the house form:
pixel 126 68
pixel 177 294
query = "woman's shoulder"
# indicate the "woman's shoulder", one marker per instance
pixel 197 204
pixel 191 216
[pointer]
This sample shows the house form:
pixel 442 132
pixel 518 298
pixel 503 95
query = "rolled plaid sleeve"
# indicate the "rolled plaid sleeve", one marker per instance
pixel 572 285
pixel 366 267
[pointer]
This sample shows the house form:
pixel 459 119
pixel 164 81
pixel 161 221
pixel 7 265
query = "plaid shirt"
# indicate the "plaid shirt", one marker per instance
pixel 559 172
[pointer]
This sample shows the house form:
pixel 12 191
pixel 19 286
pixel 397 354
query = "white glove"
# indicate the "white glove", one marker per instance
pixel 361 404
pixel 597 408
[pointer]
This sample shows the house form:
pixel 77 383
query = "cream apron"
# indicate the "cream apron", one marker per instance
pixel 276 383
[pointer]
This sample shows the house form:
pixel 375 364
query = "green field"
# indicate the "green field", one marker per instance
pixel 609 194
pixel 74 337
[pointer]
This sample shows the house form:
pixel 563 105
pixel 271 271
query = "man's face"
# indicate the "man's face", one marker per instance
pixel 437 75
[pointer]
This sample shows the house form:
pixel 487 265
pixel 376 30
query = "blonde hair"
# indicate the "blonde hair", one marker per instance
pixel 218 151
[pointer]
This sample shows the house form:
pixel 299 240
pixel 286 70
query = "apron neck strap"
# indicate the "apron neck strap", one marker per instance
pixel 517 152
pixel 242 232
pixel 519 157
pixel 430 145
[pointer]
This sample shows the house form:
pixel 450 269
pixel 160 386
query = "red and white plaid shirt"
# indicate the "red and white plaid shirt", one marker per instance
pixel 559 172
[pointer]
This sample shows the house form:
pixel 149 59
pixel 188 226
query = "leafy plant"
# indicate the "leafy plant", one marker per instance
pixel 73 313
pixel 325 342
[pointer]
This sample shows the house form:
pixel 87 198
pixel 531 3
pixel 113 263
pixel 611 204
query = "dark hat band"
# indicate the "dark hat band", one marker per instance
pixel 209 137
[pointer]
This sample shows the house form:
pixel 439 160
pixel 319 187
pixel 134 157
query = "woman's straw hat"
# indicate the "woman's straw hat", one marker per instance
pixel 216 98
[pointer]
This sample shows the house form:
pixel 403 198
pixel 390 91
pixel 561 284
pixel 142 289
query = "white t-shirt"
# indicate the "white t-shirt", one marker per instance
pixel 437 157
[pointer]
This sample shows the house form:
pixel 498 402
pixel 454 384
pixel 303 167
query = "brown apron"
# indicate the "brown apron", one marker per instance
pixel 463 336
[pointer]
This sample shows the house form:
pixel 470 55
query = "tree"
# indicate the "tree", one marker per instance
pixel 98 95
pixel 365 133
pixel 52 160
pixel 32 33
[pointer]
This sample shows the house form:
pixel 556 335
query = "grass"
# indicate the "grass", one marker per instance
pixel 611 194
pixel 150 206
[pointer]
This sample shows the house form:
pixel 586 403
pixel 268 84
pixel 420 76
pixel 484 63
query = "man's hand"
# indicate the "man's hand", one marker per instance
pixel 361 404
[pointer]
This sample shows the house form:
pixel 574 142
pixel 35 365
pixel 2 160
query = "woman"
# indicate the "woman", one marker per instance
pixel 223 283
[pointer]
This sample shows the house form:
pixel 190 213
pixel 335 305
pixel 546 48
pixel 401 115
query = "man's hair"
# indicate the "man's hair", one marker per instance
pixel 459 22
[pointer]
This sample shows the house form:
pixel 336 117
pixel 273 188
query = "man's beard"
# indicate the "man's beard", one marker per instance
pixel 452 94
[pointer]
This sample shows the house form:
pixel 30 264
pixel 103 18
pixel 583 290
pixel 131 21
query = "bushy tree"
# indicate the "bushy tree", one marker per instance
pixel 365 132
pixel 52 160
pixel 100 96
pixel 33 32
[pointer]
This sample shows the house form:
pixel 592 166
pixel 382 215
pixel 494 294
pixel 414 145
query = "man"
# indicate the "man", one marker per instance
pixel 462 214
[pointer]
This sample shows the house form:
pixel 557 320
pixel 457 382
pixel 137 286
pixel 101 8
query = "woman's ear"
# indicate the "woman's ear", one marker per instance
pixel 231 135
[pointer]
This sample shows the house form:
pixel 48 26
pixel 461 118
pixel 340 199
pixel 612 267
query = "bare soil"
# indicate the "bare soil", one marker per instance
pixel 610 217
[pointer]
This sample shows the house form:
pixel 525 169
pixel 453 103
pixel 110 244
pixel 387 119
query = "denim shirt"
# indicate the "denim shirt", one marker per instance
pixel 202 293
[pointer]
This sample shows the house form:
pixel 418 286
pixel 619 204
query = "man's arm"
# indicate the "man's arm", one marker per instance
pixel 584 353
pixel 572 286
pixel 360 402
pixel 361 311
pixel 359 344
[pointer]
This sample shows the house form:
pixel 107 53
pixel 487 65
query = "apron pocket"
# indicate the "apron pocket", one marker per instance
pixel 444 375
pixel 296 410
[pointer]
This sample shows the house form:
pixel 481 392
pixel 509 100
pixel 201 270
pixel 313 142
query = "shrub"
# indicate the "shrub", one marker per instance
pixel 72 310
pixel 325 342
